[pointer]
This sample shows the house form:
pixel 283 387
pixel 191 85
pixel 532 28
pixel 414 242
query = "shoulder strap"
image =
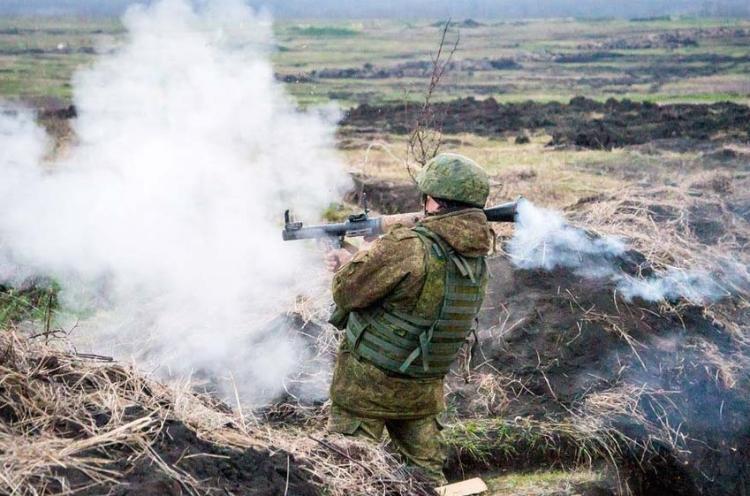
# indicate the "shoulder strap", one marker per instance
pixel 448 252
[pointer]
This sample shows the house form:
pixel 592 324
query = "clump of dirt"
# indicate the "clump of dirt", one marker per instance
pixel 727 155
pixel 582 122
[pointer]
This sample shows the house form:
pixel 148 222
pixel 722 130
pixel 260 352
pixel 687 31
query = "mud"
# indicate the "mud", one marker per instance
pixel 563 340
pixel 581 122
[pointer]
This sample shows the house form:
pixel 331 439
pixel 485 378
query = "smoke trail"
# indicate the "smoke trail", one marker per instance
pixel 544 240
pixel 161 222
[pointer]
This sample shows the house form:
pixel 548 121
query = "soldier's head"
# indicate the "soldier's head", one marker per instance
pixel 452 182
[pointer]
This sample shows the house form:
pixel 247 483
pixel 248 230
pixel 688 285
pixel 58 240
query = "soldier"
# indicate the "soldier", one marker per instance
pixel 411 300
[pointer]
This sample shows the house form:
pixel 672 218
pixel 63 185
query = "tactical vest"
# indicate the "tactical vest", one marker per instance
pixel 425 342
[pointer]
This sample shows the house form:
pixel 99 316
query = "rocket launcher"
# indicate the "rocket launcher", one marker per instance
pixel 363 225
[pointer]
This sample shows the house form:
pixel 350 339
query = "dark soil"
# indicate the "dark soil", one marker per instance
pixel 411 69
pixel 221 470
pixel 673 40
pixel 581 122
pixel 605 68
pixel 566 346
pixel 206 467
pixel 387 197
pixel 669 40
pixel 466 23
pixel 46 51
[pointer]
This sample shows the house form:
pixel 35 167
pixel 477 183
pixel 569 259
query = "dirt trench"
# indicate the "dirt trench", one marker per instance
pixel 571 345
pixel 120 434
pixel 665 386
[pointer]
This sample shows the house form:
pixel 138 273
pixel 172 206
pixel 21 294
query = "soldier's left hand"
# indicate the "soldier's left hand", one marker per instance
pixel 335 259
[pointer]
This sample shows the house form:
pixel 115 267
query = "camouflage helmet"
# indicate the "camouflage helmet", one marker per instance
pixel 454 177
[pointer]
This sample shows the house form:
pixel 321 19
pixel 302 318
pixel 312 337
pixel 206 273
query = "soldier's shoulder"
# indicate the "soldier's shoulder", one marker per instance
pixel 401 233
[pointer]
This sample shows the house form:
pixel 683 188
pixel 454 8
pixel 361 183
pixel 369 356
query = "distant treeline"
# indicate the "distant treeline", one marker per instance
pixel 422 9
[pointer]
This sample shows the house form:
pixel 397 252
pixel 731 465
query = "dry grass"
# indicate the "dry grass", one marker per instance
pixel 61 414
pixel 51 402
pixel 665 224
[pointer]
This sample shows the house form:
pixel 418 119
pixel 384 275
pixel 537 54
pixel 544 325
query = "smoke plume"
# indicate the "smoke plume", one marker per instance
pixel 161 222
pixel 544 240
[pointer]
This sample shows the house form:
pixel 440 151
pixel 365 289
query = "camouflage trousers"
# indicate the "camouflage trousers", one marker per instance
pixel 418 440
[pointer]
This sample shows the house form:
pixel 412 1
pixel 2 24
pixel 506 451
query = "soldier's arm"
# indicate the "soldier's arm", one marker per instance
pixel 375 272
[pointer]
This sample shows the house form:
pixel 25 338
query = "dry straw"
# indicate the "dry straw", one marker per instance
pixel 60 414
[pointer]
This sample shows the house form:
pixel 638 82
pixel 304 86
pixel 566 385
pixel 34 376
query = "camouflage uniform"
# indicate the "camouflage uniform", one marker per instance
pixel 393 273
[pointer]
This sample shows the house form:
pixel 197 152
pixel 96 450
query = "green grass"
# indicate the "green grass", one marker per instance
pixel 540 483
pixel 31 304
pixel 664 98
pixel 316 45
pixel 323 31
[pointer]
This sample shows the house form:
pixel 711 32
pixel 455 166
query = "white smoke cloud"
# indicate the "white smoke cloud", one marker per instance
pixel 162 222
pixel 544 240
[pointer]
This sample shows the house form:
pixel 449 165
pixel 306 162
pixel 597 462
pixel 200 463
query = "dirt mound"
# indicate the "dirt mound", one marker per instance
pixel 568 371
pixel 581 122
pixel 671 40
pixel 220 470
pixel 410 69
pixel 668 388
pixel 83 424
pixel 387 197
pixel 71 425
pixel 466 23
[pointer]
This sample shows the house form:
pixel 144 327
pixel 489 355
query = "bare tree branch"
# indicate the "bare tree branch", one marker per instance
pixel 426 137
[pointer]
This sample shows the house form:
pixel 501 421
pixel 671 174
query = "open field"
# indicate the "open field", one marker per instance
pixel 350 62
pixel 572 388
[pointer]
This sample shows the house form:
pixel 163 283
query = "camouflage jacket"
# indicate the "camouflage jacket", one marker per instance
pixel 392 271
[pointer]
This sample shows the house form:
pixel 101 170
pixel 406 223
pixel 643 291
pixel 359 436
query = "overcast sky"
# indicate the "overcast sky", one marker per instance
pixel 425 9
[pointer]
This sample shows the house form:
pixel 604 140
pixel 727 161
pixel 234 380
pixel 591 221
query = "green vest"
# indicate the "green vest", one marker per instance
pixel 424 342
